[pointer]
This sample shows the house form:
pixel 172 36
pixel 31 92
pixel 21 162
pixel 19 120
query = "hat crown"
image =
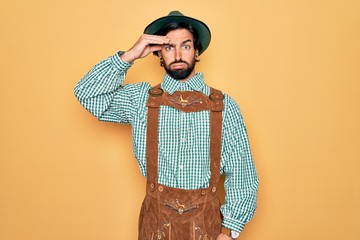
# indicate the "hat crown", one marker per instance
pixel 175 13
pixel 175 16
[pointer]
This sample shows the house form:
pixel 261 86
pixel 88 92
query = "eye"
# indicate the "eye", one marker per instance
pixel 187 47
pixel 168 48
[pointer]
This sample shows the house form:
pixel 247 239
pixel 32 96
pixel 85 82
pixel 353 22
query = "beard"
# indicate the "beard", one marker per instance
pixel 180 74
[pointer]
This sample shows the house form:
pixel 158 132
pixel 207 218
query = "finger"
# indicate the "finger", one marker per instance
pixel 153 39
pixel 154 48
pixel 156 36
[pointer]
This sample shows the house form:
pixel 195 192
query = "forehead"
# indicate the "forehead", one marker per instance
pixel 179 35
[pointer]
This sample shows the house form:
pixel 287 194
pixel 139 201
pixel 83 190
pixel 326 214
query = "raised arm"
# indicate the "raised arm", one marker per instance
pixel 101 90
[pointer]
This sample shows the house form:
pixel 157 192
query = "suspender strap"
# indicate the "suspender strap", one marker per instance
pixel 217 106
pixel 154 102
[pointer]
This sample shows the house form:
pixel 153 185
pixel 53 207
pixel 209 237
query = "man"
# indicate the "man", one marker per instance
pixel 185 134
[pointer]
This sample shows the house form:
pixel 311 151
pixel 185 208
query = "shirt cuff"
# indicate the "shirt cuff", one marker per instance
pixel 120 64
pixel 233 224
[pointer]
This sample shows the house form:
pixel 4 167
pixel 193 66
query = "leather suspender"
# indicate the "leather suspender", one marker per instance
pixel 188 102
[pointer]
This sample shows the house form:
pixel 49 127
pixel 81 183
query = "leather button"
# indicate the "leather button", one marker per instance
pixel 216 97
pixel 161 189
pixel 213 189
pixel 203 192
pixel 156 91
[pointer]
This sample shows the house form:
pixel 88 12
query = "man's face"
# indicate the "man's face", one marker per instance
pixel 179 55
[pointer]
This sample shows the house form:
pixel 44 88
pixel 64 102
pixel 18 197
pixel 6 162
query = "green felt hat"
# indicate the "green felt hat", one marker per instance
pixel 176 16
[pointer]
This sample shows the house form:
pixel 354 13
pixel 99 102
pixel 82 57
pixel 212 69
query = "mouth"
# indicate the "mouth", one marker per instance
pixel 178 66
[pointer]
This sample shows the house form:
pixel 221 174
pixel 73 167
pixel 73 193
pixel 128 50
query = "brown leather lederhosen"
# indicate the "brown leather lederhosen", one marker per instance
pixel 179 214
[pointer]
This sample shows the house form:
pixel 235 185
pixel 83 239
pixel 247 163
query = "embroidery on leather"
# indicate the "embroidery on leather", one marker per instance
pixel 191 100
pixel 198 233
pixel 180 208
pixel 161 233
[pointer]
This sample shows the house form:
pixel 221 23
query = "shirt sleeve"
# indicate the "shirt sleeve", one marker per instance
pixel 241 181
pixel 101 91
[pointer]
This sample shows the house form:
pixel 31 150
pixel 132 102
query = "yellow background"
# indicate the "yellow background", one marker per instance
pixel 292 65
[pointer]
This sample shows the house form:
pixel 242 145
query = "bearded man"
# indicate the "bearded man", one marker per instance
pixel 185 135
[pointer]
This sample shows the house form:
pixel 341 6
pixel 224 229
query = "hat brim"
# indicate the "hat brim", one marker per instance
pixel 201 28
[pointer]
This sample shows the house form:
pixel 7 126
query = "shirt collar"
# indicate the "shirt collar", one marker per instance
pixel 196 83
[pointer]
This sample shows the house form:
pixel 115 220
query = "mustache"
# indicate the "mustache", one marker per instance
pixel 179 61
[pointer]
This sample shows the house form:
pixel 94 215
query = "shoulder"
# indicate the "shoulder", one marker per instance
pixel 230 104
pixel 137 93
pixel 232 112
pixel 136 88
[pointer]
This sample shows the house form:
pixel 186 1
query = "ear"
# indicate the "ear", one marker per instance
pixel 159 54
pixel 196 53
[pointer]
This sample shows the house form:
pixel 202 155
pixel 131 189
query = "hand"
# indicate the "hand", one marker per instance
pixel 223 237
pixel 145 45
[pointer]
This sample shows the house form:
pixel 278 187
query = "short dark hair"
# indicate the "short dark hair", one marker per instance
pixel 180 25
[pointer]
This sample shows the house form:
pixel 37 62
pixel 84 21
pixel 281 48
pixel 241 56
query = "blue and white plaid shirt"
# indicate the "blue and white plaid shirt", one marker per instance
pixel 183 137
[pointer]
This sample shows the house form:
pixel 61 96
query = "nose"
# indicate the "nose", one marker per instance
pixel 178 54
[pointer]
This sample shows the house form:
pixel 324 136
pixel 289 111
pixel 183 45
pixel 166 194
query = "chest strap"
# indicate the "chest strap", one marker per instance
pixel 186 101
